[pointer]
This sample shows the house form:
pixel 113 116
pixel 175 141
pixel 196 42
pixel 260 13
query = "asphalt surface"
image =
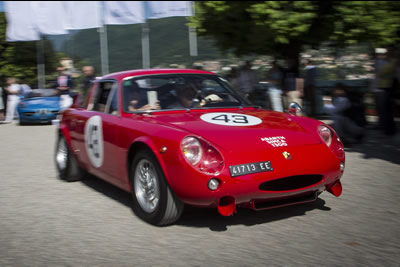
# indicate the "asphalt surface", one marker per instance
pixel 47 222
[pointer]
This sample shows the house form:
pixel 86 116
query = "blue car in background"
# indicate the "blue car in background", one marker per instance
pixel 39 106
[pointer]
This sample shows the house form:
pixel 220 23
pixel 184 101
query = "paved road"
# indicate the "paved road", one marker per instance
pixel 48 222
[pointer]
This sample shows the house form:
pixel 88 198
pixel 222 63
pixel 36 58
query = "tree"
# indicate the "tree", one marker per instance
pixel 19 59
pixel 281 28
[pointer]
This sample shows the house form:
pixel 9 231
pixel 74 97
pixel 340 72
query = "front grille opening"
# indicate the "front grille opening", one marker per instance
pixel 291 183
pixel 260 205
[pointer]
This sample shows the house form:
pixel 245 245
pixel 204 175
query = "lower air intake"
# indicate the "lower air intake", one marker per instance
pixel 261 205
pixel 291 183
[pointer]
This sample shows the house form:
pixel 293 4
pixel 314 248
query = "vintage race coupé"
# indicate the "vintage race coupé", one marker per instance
pixel 175 136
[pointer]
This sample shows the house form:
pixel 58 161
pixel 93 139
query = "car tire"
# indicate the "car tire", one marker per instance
pixel 153 199
pixel 67 166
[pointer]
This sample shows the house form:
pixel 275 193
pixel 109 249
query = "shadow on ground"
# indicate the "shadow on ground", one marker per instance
pixel 376 145
pixel 108 190
pixel 209 217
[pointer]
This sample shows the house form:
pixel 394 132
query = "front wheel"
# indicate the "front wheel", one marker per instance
pixel 153 200
pixel 67 166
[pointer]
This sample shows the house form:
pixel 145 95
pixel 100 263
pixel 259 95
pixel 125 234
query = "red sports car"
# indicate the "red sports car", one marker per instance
pixel 174 136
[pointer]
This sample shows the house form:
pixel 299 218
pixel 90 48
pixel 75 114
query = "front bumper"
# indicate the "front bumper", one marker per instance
pixel 37 116
pixel 312 170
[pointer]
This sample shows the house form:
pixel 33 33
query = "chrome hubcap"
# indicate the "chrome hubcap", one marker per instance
pixel 61 156
pixel 146 186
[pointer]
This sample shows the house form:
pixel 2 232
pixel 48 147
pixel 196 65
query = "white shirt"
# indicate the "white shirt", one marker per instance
pixel 13 89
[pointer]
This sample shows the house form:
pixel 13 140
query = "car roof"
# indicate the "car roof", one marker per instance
pixel 140 72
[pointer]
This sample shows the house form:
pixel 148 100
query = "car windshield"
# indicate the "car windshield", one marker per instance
pixel 41 93
pixel 178 91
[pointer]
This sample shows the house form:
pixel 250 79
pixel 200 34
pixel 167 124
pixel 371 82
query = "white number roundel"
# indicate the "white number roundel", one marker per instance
pixel 230 119
pixel 94 140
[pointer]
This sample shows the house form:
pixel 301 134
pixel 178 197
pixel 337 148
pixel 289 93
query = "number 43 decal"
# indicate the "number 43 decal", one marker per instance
pixel 234 118
pixel 230 119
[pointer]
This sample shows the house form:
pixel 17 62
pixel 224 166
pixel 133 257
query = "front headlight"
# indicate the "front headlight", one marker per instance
pixel 325 134
pixel 332 140
pixel 191 149
pixel 202 155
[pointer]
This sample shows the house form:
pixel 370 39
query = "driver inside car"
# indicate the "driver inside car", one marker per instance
pixel 137 101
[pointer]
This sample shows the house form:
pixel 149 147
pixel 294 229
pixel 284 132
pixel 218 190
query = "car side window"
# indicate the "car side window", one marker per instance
pixel 102 95
pixel 133 95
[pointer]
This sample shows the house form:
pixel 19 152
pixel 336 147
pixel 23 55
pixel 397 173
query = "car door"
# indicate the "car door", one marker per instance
pixel 98 132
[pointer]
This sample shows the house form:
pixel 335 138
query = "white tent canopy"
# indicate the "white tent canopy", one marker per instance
pixel 28 20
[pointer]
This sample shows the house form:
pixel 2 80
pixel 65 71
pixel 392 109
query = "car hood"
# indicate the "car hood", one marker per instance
pixel 274 129
pixel 41 102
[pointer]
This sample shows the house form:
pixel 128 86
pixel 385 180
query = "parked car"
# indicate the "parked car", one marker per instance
pixel 175 136
pixel 39 106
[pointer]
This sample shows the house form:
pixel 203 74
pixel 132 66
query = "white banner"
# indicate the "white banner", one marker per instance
pixel 20 25
pixel 123 12
pixel 82 14
pixel 49 16
pixel 163 9
pixel 26 20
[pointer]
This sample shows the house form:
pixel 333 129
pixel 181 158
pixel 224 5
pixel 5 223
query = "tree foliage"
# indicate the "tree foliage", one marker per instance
pixel 19 59
pixel 282 27
pixel 376 22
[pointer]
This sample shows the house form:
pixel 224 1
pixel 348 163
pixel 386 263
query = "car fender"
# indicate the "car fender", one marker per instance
pixel 63 129
pixel 147 141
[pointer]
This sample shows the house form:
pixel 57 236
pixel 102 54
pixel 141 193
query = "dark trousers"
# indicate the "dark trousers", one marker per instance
pixel 310 99
pixel 384 107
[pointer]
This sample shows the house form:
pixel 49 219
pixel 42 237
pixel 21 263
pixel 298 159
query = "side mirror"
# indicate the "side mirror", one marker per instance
pixel 295 109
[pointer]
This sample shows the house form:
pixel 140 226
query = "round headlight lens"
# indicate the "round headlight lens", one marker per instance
pixel 325 134
pixel 192 150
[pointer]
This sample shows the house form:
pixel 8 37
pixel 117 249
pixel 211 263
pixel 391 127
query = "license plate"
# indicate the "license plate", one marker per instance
pixel 243 169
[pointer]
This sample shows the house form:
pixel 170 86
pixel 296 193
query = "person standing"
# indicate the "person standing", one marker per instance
pixel 233 78
pixel 290 93
pixel 386 83
pixel 1 105
pixel 13 90
pixel 26 90
pixel 248 80
pixel 343 111
pixel 64 84
pixel 310 96
pixel 274 78
pixel 89 77
pixel 380 61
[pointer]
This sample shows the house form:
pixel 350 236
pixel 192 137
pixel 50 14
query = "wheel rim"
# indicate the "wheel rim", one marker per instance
pixel 61 156
pixel 146 186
